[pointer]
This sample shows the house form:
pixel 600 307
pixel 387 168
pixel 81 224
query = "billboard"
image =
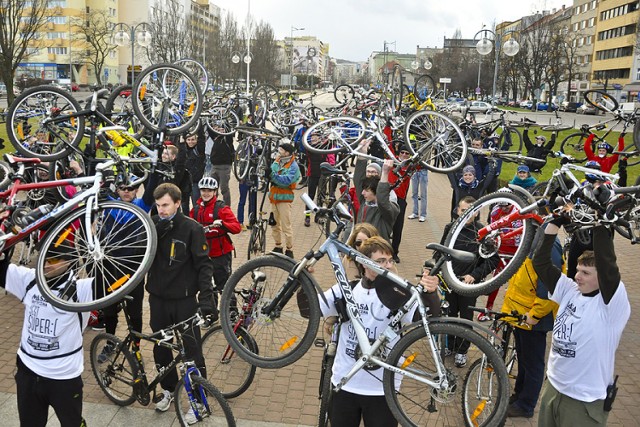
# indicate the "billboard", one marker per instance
pixel 303 63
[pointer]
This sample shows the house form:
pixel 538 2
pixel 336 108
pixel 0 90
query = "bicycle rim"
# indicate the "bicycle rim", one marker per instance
pixel 119 108
pixel 414 403
pixel 334 135
pixel 488 250
pixel 126 243
pixel 117 372
pixel 206 404
pixel 423 87
pixel 222 120
pixel 511 137
pixel 573 145
pixel 282 336
pixel 438 139
pixel 326 391
pixel 601 100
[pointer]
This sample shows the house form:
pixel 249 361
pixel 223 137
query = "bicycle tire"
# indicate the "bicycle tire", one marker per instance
pixel 397 87
pixel 116 375
pixel 257 241
pixel 416 404
pixel 573 145
pixel 123 230
pixel 265 98
pixel 423 87
pixel 212 406
pixel 60 169
pixel 472 386
pixel 197 70
pixel 556 128
pixel 5 174
pixel 601 100
pixel 439 139
pixel 636 158
pixel 222 120
pixel 242 160
pixel 287 335
pixel 326 391
pixel 636 134
pixel 466 235
pixel 334 135
pixel 167 98
pixel 119 109
pixel 41 111
pixel 514 142
pixel 233 374
pixel 290 117
pixel 343 94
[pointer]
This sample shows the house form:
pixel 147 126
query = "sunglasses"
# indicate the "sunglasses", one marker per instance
pixel 405 152
pixel 127 188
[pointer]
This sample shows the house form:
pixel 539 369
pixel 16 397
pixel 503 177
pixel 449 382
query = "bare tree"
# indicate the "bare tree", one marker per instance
pixel 95 30
pixel 223 43
pixel 171 38
pixel 533 58
pixel 265 54
pixel 21 23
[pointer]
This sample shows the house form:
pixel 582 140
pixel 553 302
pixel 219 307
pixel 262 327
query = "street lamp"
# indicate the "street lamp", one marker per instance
pixel 511 47
pixel 291 39
pixel 123 34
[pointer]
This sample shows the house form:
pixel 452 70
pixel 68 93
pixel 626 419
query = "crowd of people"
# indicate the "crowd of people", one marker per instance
pixel 196 219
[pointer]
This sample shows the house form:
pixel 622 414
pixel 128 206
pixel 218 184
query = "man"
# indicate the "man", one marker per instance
pixel 284 176
pixel 50 358
pixel 540 150
pixel 222 154
pixel 594 309
pixel 175 159
pixel 400 183
pixel 181 270
pixel 604 149
pixel 195 160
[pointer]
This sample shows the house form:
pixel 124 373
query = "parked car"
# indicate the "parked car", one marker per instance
pixel 479 107
pixel 546 106
pixel 587 109
pixel 570 107
pixel 526 104
pixel 74 87
pixel 3 89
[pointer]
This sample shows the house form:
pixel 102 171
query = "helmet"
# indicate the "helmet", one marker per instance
pixel 606 146
pixel 593 177
pixel 208 182
pixel 592 164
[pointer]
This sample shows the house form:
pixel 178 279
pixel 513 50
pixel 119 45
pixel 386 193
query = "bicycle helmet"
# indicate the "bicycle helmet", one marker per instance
pixel 606 146
pixel 208 183
pixel 593 177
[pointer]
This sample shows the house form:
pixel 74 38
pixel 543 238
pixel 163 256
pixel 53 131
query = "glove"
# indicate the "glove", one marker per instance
pixel 209 313
pixel 217 223
pixel 560 221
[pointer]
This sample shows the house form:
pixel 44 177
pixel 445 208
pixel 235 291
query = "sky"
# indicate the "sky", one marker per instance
pixel 355 28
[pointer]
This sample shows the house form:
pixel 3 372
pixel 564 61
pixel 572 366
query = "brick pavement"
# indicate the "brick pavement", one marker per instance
pixel 289 396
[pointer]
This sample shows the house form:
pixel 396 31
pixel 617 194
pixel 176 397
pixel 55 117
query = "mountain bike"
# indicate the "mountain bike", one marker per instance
pixel 113 242
pixel 121 374
pixel 421 383
pixel 509 135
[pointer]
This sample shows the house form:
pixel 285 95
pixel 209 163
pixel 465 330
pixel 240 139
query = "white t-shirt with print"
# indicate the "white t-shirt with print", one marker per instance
pixel 49 333
pixel 586 334
pixel 375 318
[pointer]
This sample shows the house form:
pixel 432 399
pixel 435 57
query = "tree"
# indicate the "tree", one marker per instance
pixel 171 38
pixel 95 31
pixel 533 57
pixel 21 23
pixel 224 42
pixel 265 54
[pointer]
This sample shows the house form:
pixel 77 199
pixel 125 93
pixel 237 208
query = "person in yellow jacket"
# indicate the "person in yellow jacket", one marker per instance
pixel 527 295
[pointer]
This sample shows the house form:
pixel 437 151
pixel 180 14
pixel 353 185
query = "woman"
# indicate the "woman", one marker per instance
pixel 361 232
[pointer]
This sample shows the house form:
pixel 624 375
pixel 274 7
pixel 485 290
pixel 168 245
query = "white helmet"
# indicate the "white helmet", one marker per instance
pixel 208 182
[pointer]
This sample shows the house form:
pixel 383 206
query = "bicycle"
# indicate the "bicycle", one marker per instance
pixel 122 377
pixel 509 135
pixel 421 383
pixel 93 228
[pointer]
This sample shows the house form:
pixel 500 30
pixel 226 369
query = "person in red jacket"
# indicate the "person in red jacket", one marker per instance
pixel 606 162
pixel 219 221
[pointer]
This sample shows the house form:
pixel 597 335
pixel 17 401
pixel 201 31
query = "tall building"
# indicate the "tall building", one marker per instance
pixel 583 30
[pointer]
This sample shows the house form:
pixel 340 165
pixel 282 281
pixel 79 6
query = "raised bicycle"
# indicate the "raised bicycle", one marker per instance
pixel 421 383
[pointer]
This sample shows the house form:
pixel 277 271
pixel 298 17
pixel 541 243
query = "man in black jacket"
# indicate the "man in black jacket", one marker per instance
pixel 540 150
pixel 181 270
pixel 221 159
pixel 195 156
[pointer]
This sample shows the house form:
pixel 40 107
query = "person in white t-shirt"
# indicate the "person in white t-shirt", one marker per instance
pixel 50 359
pixel 362 398
pixel 593 311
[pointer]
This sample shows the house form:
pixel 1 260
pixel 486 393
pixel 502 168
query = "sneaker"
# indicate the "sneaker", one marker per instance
pixel 396 259
pixel 483 317
pixel 412 216
pixel 289 253
pixel 460 360
pixel 243 227
pixel 515 411
pixel 447 352
pixel 99 326
pixel 190 417
pixel 107 351
pixel 164 403
pixel 422 219
pixel 307 221
pixel 277 249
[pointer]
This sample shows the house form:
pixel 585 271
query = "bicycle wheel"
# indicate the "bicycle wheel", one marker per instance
pixel 466 234
pixel 333 135
pixel 39 123
pixel 222 120
pixel 208 407
pixel 423 87
pixel 438 139
pixel 636 134
pixel 61 169
pixel 510 139
pixel 167 98
pixel 414 403
pixel 290 117
pixel 257 240
pixel 397 87
pixel 114 368
pixel 326 391
pixel 343 94
pixel 265 99
pixel 5 175
pixel 573 145
pixel 224 367
pixel 119 109
pixel 197 70
pixel 601 100
pixel 112 248
pixel 242 160
pixel 283 335
pixel 478 396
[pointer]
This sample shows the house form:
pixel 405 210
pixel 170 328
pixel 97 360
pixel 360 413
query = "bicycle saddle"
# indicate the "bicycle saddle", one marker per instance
pixel 458 255
pixel 328 169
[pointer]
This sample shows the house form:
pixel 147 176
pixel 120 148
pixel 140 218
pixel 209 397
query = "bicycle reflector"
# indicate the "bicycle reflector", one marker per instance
pixel 392 295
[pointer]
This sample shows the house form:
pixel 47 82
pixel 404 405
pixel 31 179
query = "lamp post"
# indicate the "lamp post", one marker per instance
pixel 511 47
pixel 124 34
pixel 248 57
pixel 291 39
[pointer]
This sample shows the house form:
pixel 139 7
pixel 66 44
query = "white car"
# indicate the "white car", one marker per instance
pixel 479 107
pixel 526 104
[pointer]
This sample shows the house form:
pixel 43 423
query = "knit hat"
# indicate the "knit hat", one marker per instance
pixel 289 148
pixel 376 167
pixel 523 168
pixel 469 169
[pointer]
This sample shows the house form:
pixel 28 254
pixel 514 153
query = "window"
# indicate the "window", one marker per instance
pixel 620 73
pixel 57 3
pixel 592 22
pixel 589 40
pixel 593 4
pixel 638 74
pixel 57 35
pixel 57 19
pixel 57 50
pixel 33 51
pixel 619 52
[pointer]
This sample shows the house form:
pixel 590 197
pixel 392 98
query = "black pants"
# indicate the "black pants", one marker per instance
pixel 164 313
pixel 221 273
pixel 35 394
pixel 347 409
pixel 398 226
pixel 133 308
pixel 312 186
pixel 459 307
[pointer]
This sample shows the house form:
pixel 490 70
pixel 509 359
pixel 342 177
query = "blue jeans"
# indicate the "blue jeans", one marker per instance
pixel 419 182
pixel 244 191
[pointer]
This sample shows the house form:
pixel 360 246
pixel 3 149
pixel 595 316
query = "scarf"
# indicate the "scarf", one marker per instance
pixel 463 184
pixel 284 160
pixel 524 183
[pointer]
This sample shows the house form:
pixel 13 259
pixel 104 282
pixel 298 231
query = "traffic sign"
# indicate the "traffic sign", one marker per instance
pixel 478 90
pixel 445 80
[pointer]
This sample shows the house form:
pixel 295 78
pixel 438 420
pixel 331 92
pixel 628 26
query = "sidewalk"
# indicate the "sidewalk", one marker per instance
pixel 288 396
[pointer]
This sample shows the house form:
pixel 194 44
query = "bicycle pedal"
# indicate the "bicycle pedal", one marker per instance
pixel 319 342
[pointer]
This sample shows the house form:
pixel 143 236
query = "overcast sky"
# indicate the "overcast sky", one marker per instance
pixel 355 28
